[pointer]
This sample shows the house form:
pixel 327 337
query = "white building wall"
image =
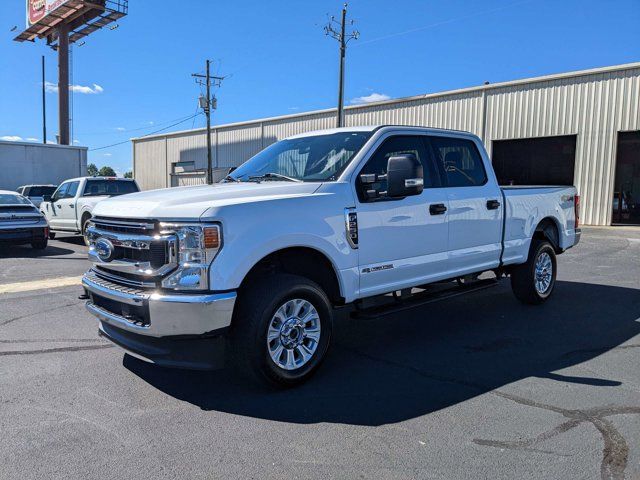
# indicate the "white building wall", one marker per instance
pixel 593 105
pixel 23 163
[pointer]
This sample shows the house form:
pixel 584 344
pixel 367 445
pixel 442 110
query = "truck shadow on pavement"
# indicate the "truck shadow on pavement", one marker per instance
pixel 25 251
pixel 403 366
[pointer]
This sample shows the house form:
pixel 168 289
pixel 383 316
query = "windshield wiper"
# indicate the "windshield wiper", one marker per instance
pixel 269 175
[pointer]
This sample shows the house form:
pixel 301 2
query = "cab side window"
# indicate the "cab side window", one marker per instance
pixel 60 192
pixel 392 146
pixel 72 190
pixel 460 160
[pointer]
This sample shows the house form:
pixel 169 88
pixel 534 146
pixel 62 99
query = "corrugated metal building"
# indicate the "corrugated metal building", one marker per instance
pixel 568 128
pixel 24 163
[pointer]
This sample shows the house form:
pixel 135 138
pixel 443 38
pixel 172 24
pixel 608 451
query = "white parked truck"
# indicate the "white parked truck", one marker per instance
pixel 250 270
pixel 70 207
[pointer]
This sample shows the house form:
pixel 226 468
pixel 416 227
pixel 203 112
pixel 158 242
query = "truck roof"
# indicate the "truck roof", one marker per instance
pixel 99 178
pixel 373 128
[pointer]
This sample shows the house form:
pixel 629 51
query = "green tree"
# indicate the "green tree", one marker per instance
pixel 92 170
pixel 128 174
pixel 107 172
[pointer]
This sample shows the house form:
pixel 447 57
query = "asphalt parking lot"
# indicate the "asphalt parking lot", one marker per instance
pixel 475 387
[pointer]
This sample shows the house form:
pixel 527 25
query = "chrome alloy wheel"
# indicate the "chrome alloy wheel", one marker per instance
pixel 294 334
pixel 544 273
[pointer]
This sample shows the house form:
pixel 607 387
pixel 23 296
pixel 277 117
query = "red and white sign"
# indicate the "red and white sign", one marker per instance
pixel 38 9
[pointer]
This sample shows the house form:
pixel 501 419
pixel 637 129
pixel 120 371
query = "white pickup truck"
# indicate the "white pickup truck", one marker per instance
pixel 70 207
pixel 251 269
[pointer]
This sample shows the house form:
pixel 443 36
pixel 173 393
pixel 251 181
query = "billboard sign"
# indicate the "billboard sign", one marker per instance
pixel 38 9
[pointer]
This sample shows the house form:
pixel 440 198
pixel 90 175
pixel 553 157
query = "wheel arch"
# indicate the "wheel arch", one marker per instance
pixel 548 229
pixel 305 261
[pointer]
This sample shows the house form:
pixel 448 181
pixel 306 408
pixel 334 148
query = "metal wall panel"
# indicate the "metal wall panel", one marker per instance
pixel 150 163
pixel 236 144
pixel 34 163
pixel 594 105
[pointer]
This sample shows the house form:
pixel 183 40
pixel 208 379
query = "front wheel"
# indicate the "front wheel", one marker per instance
pixel 533 281
pixel 85 225
pixel 281 330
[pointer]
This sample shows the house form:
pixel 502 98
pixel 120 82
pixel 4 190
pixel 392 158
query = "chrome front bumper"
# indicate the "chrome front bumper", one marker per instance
pixel 166 314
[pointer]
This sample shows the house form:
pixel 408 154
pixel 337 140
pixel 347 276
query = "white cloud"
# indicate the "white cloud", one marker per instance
pixel 293 109
pixel 53 88
pixel 107 154
pixel 76 141
pixel 32 139
pixel 120 129
pixel 374 97
pixel 11 138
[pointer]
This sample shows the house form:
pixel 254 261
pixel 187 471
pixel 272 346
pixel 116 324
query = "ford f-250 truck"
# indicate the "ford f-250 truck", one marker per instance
pixel 253 267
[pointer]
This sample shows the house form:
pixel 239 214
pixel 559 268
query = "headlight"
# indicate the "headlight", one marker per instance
pixel 198 244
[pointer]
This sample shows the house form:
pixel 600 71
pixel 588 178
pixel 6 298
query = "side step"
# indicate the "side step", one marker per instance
pixel 422 298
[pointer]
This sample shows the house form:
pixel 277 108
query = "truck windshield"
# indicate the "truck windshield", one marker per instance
pixel 111 188
pixel 308 159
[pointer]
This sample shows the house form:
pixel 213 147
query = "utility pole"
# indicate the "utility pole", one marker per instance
pixel 206 104
pixel 343 39
pixel 44 107
pixel 63 83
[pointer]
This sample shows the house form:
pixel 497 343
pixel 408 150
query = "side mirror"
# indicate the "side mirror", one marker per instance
pixel 46 198
pixel 405 176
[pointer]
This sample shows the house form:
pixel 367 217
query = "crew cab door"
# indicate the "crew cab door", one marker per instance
pixel 401 242
pixel 51 210
pixel 475 204
pixel 65 207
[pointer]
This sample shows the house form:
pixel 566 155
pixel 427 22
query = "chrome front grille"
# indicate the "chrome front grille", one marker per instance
pixel 131 251
pixel 140 227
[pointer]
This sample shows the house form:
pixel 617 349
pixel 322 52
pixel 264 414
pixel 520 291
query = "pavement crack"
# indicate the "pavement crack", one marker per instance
pixel 615 451
pixel 20 317
pixel 56 350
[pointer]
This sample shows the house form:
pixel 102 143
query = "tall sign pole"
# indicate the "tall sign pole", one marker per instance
pixel 206 104
pixel 44 106
pixel 343 39
pixel 63 83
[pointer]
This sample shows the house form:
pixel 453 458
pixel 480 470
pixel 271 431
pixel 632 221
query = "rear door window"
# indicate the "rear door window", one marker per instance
pixel 96 188
pixel 460 160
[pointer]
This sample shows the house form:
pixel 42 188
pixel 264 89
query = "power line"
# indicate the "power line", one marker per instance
pixel 133 129
pixel 150 133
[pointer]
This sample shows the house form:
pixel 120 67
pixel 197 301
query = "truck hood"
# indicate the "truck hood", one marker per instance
pixel 189 203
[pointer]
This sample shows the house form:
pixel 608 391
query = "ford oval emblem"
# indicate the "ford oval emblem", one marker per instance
pixel 104 249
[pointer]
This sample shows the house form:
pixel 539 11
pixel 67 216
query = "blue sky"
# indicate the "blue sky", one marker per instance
pixel 136 79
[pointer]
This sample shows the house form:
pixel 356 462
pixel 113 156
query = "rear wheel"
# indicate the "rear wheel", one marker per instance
pixel 533 281
pixel 281 330
pixel 40 244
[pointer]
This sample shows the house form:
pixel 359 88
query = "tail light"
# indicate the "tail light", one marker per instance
pixel 576 209
pixel 46 232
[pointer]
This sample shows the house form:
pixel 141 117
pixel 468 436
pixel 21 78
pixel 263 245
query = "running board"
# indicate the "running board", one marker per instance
pixel 422 298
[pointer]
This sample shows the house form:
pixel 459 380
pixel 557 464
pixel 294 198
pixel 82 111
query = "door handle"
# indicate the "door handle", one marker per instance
pixel 437 208
pixel 493 204
pixel 72 206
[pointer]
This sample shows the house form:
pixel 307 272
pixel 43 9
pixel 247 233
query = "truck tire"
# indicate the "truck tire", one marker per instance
pixel 39 244
pixel 85 224
pixel 532 282
pixel 281 330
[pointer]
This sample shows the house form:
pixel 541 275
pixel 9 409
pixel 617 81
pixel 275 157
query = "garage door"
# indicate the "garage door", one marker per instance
pixel 535 161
